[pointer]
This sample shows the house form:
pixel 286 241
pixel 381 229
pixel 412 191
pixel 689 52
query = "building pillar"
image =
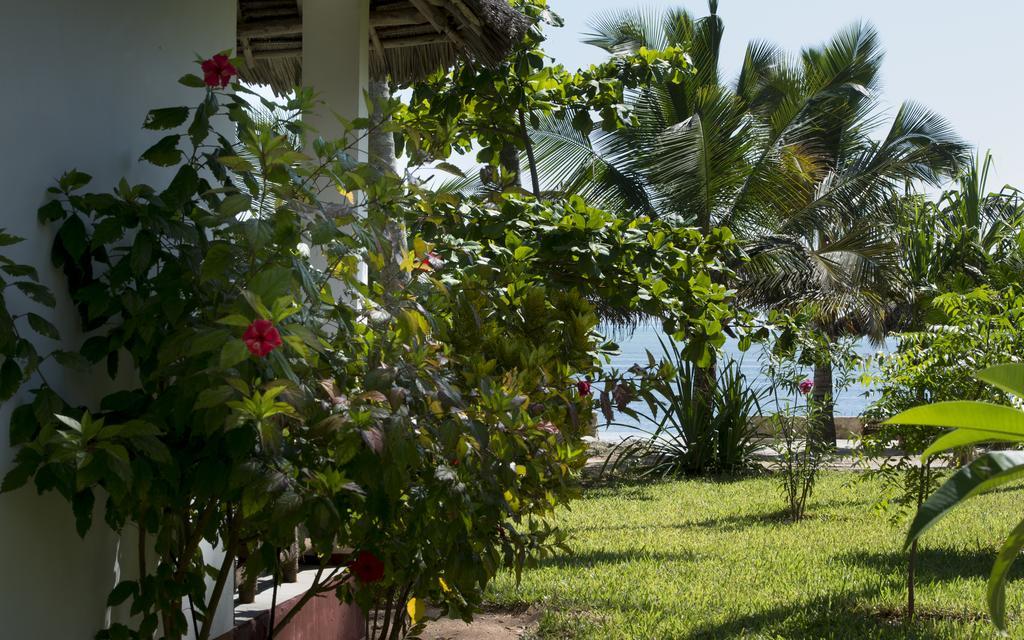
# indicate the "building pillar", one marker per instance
pixel 336 64
pixel 336 61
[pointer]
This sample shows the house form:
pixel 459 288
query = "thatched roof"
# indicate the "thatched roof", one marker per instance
pixel 409 39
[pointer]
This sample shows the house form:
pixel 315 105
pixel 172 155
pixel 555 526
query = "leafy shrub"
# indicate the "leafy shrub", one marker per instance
pixel 428 430
pixel 21 358
pixel 934 365
pixel 689 434
pixel 801 454
pixel 974 422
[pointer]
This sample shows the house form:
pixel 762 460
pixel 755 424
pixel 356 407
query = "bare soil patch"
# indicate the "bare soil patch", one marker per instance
pixel 487 625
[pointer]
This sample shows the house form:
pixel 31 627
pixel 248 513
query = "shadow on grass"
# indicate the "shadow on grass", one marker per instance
pixel 739 521
pixel 591 559
pixel 623 489
pixel 934 565
pixel 836 616
pixel 725 523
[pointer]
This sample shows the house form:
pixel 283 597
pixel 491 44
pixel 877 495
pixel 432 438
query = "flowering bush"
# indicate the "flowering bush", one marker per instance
pixel 423 431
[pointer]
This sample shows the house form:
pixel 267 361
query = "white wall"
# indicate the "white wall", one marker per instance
pixel 77 80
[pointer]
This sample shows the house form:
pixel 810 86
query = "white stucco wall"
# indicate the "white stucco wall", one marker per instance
pixel 77 80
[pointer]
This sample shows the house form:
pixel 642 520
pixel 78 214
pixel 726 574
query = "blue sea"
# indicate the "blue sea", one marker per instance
pixel 849 401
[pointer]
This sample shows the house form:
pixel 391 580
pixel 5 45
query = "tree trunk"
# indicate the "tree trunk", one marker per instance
pixel 380 144
pixel 825 403
pixel 381 148
pixel 705 384
pixel 534 176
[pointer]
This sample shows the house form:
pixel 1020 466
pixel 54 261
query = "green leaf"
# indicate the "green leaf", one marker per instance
pixel 234 204
pixel 50 212
pixel 214 397
pixel 217 261
pixel 142 252
pixel 71 360
pixel 1008 377
pixel 73 180
pixel 7 239
pixel 272 283
pixel 18 476
pixel 71 422
pixel 191 80
pixel 153 448
pixel 37 292
pixel 523 252
pixel 207 341
pixel 42 326
pixel 234 351
pixel 987 472
pixel 236 164
pixel 24 425
pixel 200 127
pixel 448 167
pixel 20 271
pixel 131 429
pixel 977 416
pixel 965 437
pixel 167 118
pixel 122 592
pixel 73 235
pixel 235 320
pixel 164 153
pixel 10 379
pixel 82 505
pixel 997 579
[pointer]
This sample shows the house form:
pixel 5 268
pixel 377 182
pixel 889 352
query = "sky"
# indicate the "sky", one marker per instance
pixel 960 59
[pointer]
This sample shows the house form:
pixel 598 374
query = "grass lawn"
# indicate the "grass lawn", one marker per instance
pixel 717 559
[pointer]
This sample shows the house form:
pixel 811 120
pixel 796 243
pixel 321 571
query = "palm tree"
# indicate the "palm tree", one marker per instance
pixel 980 231
pixel 784 156
pixel 845 265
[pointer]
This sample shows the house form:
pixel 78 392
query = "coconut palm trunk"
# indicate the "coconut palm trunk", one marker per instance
pixel 381 148
pixel 824 400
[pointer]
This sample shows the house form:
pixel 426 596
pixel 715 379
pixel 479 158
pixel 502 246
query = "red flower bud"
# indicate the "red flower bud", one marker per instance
pixel 583 386
pixel 261 338
pixel 806 386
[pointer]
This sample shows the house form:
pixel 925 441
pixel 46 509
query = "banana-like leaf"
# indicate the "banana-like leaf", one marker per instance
pixel 997 580
pixel 984 474
pixel 1008 377
pixel 963 414
pixel 966 437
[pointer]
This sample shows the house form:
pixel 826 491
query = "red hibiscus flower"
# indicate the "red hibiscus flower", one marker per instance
pixel 367 567
pixel 261 337
pixel 583 386
pixel 806 386
pixel 218 71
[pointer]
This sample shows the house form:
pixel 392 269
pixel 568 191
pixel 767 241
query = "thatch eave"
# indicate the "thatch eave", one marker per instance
pixel 409 39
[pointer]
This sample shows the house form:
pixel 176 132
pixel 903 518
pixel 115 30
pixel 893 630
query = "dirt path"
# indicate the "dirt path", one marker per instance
pixel 490 625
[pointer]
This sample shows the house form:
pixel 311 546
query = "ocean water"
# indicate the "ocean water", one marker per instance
pixel 849 401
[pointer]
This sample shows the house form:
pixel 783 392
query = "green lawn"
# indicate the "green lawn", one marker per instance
pixel 707 559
